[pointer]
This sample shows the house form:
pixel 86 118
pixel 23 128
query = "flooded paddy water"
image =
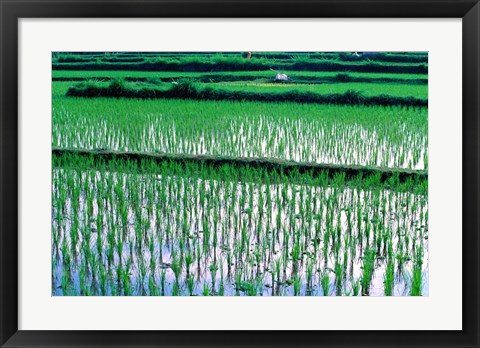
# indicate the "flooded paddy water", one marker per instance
pixel 200 231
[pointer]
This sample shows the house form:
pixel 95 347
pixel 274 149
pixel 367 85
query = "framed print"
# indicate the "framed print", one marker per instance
pixel 239 174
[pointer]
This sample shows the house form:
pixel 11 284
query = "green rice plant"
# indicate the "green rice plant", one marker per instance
pixel 368 265
pixel 213 272
pixel 325 283
pixel 191 284
pixel 356 287
pixel 176 289
pixel 152 287
pixel 206 290
pixel 221 288
pixel 309 271
pixel 65 282
pixel 102 277
pixel 339 273
pixel 297 281
pixel 163 275
pixel 176 267
pixel 416 288
pixel 189 258
pixel 295 256
pixel 238 281
pixel 389 277
pixel 250 288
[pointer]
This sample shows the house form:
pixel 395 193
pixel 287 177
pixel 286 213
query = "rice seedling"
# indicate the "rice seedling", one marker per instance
pixel 325 283
pixel 368 261
pixel 416 288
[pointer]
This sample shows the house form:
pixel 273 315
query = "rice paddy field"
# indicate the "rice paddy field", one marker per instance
pixel 212 174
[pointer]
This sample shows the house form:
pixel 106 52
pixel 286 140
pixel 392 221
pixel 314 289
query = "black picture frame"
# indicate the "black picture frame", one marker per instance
pixel 11 11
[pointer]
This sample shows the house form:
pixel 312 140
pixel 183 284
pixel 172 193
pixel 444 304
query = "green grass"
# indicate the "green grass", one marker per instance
pixel 185 89
pixel 418 57
pixel 367 89
pixel 247 77
pixel 383 174
pixel 224 63
pixel 255 74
